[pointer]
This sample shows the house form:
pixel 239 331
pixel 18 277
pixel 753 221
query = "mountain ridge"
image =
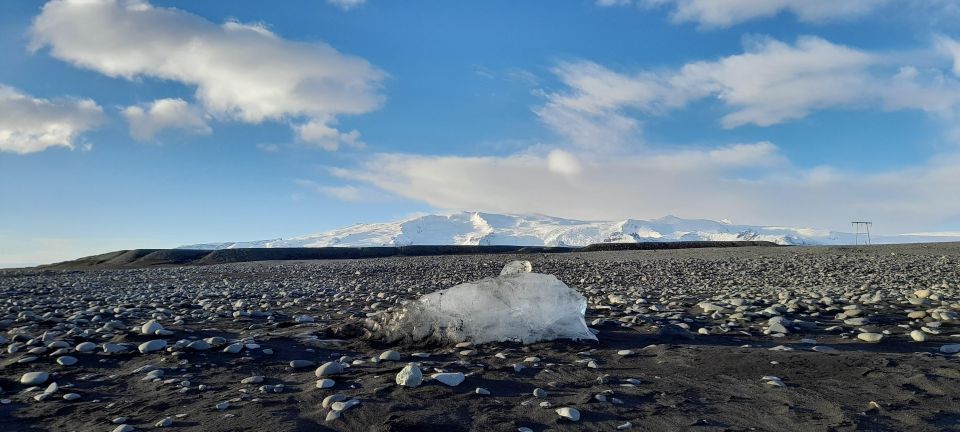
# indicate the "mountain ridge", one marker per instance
pixel 491 229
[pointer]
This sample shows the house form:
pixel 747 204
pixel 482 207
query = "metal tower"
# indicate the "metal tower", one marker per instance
pixel 862 227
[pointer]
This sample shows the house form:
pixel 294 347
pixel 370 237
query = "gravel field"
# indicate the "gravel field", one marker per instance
pixel 752 338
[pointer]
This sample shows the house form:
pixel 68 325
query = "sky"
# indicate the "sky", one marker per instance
pixel 136 124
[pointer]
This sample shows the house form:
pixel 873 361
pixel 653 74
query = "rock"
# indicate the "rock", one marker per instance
pixel 329 400
pixel 451 379
pixel 301 364
pixel 626 353
pixel 66 360
pixel 325 383
pixel 154 345
pixel 539 393
pixel 34 378
pixel 154 374
pixel 222 406
pixel 112 348
pixel 482 391
pixel 777 328
pixel 825 349
pixel 870 337
pixel 86 347
pixel 124 428
pixel 71 396
pixel 151 328
pixel 332 415
pixel 950 349
pixel 410 376
pixel 918 336
pixel 923 293
pixel 329 369
pixel 569 413
pixel 165 422
pixel 256 379
pixel 233 348
pixel 199 345
pixel 344 405
pixel 856 321
pixel 390 356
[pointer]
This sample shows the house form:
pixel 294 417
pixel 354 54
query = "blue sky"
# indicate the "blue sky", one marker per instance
pixel 129 124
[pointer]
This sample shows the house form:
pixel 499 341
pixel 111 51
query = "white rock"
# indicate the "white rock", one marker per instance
pixel 151 327
pixel 199 345
pixel 328 369
pixel 870 337
pixel 256 379
pixel 451 379
pixel 222 406
pixel 86 347
pixel 165 422
pixel 410 376
pixel 344 405
pixel 482 391
pixel 325 383
pixel 71 396
pixel 34 378
pixel 918 336
pixel 569 413
pixel 390 356
pixel 233 348
pixel 124 428
pixel 154 345
pixel 329 400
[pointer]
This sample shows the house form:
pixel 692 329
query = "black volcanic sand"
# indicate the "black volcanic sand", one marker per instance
pixel 687 381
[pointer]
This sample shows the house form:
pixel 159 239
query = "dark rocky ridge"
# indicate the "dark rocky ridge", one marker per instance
pixel 177 257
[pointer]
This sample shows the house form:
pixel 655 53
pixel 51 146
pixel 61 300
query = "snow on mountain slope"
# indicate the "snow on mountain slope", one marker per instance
pixel 474 228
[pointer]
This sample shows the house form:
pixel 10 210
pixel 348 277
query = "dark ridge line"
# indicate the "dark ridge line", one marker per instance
pixel 137 258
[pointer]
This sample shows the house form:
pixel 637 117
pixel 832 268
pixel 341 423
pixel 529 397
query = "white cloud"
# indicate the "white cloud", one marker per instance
pixel 771 82
pixel 347 193
pixel 321 134
pixel 164 114
pixel 562 162
pixel 346 4
pixel 240 71
pixel 29 124
pixel 725 13
pixel 751 183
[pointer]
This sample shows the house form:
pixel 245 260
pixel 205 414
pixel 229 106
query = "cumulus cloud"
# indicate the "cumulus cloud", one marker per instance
pixel 29 124
pixel 771 82
pixel 346 4
pixel 321 134
pixel 241 71
pixel 751 183
pixel 725 13
pixel 146 122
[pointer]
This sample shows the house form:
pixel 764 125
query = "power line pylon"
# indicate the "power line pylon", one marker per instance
pixel 862 228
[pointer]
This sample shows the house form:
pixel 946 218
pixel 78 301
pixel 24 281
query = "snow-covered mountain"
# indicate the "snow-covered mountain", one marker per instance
pixel 474 228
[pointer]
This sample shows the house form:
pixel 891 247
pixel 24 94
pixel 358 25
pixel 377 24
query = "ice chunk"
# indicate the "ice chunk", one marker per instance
pixel 516 267
pixel 524 307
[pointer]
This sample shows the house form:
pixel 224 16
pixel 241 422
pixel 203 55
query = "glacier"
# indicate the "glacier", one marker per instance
pixel 479 228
